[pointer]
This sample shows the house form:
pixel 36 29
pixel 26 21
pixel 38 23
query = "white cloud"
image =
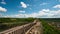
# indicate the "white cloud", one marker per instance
pixel 23 4
pixel 50 13
pixel 43 3
pixel 53 13
pixel 16 16
pixel 57 6
pixel 20 15
pixel 7 16
pixel 3 2
pixel 36 15
pixel 44 13
pixel 45 10
pixel 2 9
pixel 22 11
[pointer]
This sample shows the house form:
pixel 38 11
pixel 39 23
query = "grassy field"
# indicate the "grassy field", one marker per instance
pixel 47 29
pixel 7 23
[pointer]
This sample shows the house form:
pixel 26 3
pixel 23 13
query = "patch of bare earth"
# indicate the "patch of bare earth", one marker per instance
pixel 36 29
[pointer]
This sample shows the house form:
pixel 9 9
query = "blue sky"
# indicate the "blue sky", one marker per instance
pixel 30 8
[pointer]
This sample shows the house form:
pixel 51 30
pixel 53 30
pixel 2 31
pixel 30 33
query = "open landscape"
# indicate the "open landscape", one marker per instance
pixel 47 25
pixel 29 16
pixel 6 23
pixel 50 25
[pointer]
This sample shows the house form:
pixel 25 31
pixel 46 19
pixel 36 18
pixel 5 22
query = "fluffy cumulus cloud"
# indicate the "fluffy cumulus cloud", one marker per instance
pixel 16 16
pixel 22 11
pixel 44 13
pixel 3 2
pixel 23 4
pixel 2 9
pixel 57 6
pixel 43 3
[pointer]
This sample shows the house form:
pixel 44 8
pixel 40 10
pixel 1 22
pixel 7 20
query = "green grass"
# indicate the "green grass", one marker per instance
pixel 47 29
pixel 7 23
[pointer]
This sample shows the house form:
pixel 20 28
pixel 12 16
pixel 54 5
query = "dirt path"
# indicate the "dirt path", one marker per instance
pixel 36 29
